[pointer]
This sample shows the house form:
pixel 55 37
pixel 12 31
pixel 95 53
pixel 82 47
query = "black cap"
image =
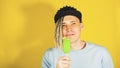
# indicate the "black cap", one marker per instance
pixel 67 10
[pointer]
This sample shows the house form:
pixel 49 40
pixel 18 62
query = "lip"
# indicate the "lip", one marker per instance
pixel 69 35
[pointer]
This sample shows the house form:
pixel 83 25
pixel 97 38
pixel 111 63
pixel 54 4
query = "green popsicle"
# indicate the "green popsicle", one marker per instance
pixel 66 45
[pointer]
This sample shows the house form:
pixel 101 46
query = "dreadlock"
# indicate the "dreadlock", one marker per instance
pixel 58 33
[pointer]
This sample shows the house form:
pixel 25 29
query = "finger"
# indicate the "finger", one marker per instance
pixel 65 58
pixel 66 65
pixel 65 62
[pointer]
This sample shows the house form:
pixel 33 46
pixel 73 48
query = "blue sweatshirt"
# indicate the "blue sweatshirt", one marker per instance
pixel 92 56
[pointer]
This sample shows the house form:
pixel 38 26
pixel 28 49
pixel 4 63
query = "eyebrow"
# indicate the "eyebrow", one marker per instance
pixel 70 21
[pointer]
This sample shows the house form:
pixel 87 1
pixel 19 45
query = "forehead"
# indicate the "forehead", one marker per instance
pixel 70 18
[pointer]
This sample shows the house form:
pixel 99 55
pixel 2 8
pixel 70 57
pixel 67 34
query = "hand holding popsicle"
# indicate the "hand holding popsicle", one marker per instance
pixel 64 61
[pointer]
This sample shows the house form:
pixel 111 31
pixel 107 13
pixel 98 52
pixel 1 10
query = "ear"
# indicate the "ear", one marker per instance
pixel 81 26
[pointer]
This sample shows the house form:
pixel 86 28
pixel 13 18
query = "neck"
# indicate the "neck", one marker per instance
pixel 77 45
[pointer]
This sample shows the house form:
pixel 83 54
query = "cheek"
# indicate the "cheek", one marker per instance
pixel 63 32
pixel 76 29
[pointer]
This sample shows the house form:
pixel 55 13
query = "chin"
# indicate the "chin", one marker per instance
pixel 73 39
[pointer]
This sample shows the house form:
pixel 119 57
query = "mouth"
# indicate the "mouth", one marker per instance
pixel 67 35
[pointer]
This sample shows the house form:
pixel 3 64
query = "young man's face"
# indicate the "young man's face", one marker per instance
pixel 71 27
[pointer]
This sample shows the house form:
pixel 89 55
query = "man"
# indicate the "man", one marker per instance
pixel 83 54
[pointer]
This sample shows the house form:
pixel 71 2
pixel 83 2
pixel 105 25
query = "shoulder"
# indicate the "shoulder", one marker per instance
pixel 51 51
pixel 102 53
pixel 96 47
pixel 98 50
pixel 54 49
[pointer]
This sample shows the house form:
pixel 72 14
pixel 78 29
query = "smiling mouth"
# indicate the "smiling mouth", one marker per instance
pixel 69 35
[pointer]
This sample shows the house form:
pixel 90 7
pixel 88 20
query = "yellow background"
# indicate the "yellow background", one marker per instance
pixel 27 28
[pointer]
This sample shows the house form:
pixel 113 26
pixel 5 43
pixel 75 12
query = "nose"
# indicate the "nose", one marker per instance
pixel 68 28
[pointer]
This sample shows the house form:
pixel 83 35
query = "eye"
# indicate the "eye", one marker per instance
pixel 63 24
pixel 73 23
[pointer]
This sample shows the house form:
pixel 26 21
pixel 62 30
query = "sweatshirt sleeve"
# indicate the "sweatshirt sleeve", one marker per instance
pixel 106 59
pixel 46 60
